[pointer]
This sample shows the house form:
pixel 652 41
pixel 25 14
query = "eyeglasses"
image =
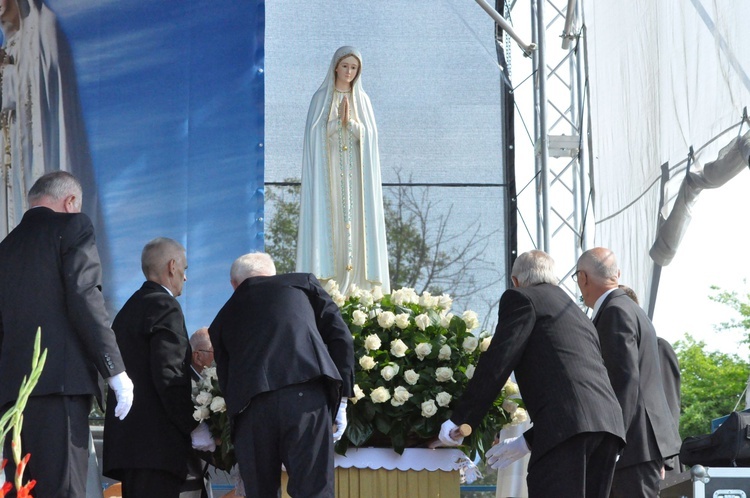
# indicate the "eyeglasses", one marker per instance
pixel 206 351
pixel 574 276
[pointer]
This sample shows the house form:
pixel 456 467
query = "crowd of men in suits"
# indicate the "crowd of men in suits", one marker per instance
pixel 602 424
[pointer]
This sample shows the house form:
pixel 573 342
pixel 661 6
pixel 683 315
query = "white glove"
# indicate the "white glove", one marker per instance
pixel 445 434
pixel 123 388
pixel 340 421
pixel 202 438
pixel 506 452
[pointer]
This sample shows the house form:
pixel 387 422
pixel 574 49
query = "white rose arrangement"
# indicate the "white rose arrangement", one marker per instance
pixel 414 360
pixel 210 407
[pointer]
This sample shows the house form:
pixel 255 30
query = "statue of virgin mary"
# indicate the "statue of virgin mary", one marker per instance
pixel 342 225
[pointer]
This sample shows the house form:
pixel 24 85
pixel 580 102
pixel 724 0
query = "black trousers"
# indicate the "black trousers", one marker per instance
pixel 150 483
pixel 56 433
pixel 290 426
pixel 641 480
pixel 580 467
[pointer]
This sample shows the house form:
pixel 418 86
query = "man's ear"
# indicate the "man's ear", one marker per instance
pixel 515 281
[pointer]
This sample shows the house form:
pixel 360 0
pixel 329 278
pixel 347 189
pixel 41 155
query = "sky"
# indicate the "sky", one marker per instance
pixel 713 252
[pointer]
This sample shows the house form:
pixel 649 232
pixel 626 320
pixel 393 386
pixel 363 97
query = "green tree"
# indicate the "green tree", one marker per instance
pixel 281 232
pixel 739 303
pixel 424 251
pixel 712 384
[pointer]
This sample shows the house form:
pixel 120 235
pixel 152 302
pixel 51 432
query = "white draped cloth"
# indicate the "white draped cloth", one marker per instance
pixel 342 224
pixel 42 125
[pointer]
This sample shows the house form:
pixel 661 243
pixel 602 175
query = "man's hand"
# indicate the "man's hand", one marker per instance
pixel 202 438
pixel 508 451
pixel 446 437
pixel 340 422
pixel 123 388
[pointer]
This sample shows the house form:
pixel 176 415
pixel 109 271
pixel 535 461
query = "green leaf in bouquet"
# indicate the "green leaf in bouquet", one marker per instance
pixel 398 440
pixel 383 424
pixel 358 431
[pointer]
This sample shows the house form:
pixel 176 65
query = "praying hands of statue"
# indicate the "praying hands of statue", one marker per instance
pixel 344 111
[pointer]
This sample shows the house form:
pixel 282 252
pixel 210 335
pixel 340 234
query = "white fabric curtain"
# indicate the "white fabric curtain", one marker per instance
pixel 664 76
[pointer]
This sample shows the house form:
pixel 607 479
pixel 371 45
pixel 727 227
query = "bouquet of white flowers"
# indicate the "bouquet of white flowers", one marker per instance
pixel 211 408
pixel 413 359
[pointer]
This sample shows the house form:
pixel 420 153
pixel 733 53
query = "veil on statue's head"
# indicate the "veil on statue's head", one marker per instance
pixel 327 87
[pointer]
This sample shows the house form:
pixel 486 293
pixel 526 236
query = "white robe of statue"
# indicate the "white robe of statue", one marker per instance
pixel 41 120
pixel 342 223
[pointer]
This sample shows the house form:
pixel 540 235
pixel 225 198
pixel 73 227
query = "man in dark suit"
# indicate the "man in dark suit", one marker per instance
pixel 630 352
pixel 50 277
pixel 149 450
pixel 285 362
pixel 202 355
pixel 554 350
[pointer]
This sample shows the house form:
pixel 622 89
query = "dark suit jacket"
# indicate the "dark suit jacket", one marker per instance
pixel 553 348
pixel 670 376
pixel 278 331
pixel 150 330
pixel 631 355
pixel 50 277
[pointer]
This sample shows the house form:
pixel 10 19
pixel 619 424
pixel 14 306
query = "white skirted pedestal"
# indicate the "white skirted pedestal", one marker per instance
pixel 380 472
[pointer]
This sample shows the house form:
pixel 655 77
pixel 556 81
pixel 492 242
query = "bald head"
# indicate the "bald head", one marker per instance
pixel 597 272
pixel 203 353
pixel 255 264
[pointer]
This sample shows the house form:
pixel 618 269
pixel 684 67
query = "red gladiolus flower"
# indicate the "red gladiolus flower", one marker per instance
pixel 22 465
pixel 4 490
pixel 25 491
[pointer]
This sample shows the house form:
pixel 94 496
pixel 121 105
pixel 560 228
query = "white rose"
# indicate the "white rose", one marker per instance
pixel 443 374
pixel 423 321
pixel 366 298
pixel 509 405
pixel 398 297
pixel 359 318
pixel 372 342
pixel 377 293
pixel 445 320
pixel 470 371
pixel 511 388
pixel 412 295
pixel 398 348
pixel 470 344
pixel 426 300
pixel 201 413
pixel 367 363
pixel 429 408
pixel 374 313
pixel 204 398
pixel 218 405
pixel 471 320
pixel 389 371
pixel 354 291
pixel 400 396
pixel 485 344
pixel 209 373
pixel 443 399
pixel 445 302
pixel 358 394
pixel 338 298
pixel 444 353
pixel 423 349
pixel 386 319
pixel 411 377
pixel 519 416
pixel 380 395
pixel 331 286
pixel 402 320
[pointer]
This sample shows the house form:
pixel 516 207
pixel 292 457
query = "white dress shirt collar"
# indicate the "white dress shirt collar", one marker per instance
pixel 598 303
